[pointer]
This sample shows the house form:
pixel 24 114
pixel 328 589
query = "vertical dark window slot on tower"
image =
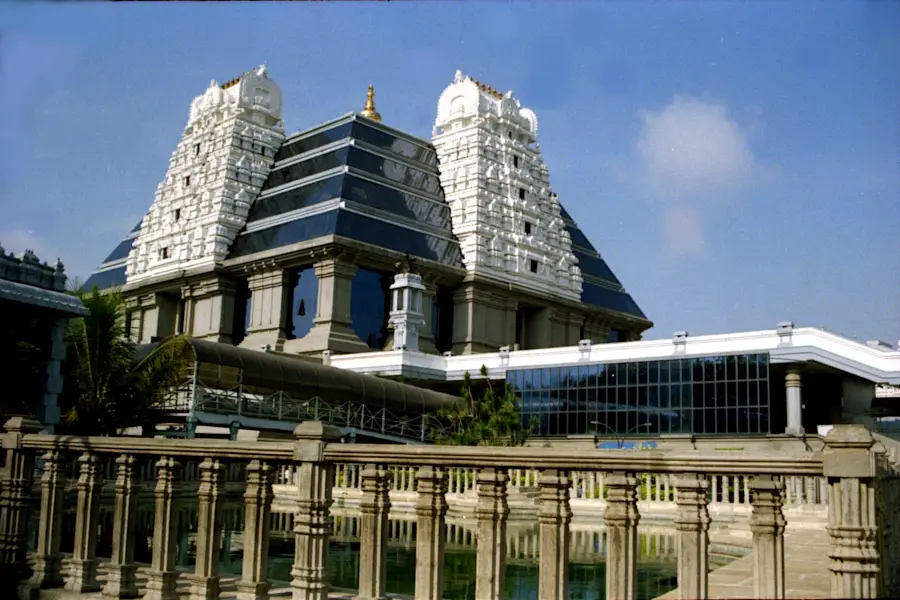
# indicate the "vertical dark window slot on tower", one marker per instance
pixel 515 161
pixel 196 149
pixel 533 266
pixel 527 228
pixel 521 193
pixel 177 214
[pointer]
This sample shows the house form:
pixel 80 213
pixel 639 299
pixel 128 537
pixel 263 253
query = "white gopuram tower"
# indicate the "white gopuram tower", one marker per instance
pixel 406 315
pixel 505 215
pixel 214 175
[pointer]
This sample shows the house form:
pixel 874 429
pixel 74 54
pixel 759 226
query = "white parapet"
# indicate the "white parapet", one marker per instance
pixel 214 176
pixel 504 213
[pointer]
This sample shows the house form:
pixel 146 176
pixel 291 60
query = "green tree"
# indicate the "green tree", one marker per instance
pixel 491 419
pixel 110 384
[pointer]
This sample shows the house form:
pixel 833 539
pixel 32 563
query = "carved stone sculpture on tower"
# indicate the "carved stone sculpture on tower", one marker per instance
pixel 214 176
pixel 498 189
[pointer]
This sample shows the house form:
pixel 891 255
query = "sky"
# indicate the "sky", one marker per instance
pixel 736 164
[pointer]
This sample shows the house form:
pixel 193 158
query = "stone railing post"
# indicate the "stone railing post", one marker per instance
pixel 254 583
pixel 162 576
pixel 312 524
pixel 120 581
pixel 431 507
pixel 15 491
pixel 692 526
pixel 83 568
pixel 767 524
pixel 47 559
pixel 205 579
pixel 853 524
pixel 491 510
pixel 621 520
pixel 554 515
pixel 373 536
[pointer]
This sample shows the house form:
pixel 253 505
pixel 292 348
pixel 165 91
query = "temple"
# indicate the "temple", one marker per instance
pixel 302 244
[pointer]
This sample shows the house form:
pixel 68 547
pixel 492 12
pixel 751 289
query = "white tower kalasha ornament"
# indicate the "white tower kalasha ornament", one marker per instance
pixel 214 175
pixel 406 309
pixel 506 217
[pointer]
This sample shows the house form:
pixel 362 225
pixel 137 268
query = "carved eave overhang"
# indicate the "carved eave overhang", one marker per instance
pixel 174 280
pixel 333 246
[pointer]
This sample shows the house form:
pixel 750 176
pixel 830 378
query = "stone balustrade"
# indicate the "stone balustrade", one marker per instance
pixel 857 478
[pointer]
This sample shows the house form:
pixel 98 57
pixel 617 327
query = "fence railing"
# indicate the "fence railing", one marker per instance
pixel 860 480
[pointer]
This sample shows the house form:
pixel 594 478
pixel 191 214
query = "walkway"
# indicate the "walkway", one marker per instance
pixel 806 568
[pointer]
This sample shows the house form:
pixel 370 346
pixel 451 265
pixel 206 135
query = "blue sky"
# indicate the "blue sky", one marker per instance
pixel 736 164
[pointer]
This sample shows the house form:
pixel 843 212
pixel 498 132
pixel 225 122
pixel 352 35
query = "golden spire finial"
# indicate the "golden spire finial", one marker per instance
pixel 369 111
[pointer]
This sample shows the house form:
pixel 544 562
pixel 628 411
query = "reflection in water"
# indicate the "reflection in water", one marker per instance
pixel 587 550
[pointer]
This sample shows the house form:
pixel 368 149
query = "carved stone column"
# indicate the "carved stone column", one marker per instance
pixel 83 567
pixel 312 523
pixel 209 311
pixel 853 521
pixel 268 309
pixel 120 582
pixel 491 510
pixel 254 583
pixel 621 520
pixel 15 491
pixel 373 506
pixel 47 559
pixel 554 515
pixel 205 580
pixel 431 508
pixel 692 543
pixel 162 576
pixel 333 328
pixel 767 524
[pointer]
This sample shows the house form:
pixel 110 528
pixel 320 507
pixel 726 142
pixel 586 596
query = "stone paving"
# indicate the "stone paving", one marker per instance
pixel 806 567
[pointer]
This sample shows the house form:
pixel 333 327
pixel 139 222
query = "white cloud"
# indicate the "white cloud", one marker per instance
pixel 691 156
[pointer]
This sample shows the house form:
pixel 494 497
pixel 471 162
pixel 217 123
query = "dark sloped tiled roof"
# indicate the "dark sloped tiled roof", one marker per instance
pixel 354 179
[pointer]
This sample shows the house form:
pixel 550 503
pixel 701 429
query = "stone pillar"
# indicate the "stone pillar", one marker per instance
pixel 853 519
pixel 767 524
pixel 312 523
pixel 333 329
pixel 209 310
pixel 15 493
pixel 120 581
pixel 49 412
pixel 373 507
pixel 83 567
pixel 692 537
pixel 47 559
pixel 205 580
pixel 491 510
pixel 268 309
pixel 621 520
pixel 254 583
pixel 162 575
pixel 794 403
pixel 426 336
pixel 431 508
pixel 554 515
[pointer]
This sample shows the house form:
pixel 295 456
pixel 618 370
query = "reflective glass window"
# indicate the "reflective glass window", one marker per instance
pixel 369 307
pixel 306 168
pixel 402 239
pixel 596 266
pixel 395 171
pixel 297 198
pixel 396 202
pixel 295 147
pixel 386 141
pixel 303 302
pixel 301 230
pixel 105 279
pixel 121 250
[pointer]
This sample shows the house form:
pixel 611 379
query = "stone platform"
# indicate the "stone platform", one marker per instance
pixel 805 566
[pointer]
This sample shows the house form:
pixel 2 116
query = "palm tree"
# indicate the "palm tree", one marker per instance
pixel 110 384
pixel 492 420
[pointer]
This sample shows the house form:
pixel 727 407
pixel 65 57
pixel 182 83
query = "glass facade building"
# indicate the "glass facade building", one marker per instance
pixel 724 395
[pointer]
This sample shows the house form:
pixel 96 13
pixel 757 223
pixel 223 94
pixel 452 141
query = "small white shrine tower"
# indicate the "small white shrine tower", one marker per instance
pixel 406 308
